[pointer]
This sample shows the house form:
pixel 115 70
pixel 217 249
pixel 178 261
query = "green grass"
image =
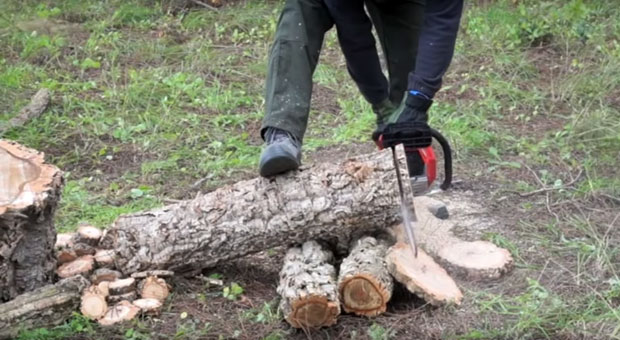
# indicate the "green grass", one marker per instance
pixel 148 101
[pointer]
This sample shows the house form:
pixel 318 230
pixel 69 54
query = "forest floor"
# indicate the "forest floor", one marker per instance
pixel 154 103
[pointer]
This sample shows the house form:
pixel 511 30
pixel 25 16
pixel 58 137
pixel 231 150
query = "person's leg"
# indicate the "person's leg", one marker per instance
pixel 359 48
pixel 398 25
pixel 293 59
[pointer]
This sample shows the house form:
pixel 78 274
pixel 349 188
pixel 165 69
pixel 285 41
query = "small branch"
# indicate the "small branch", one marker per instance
pixel 200 3
pixel 547 189
pixel 34 109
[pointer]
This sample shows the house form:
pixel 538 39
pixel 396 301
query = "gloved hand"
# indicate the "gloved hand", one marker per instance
pixel 407 124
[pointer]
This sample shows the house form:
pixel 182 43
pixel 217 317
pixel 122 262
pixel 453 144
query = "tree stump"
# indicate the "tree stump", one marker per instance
pixel 29 194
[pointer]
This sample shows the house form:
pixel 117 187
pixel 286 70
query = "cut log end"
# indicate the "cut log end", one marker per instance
pixel 88 234
pixel 122 286
pixel 422 275
pixel 105 274
pixel 81 266
pixel 104 258
pixel 479 260
pixel 64 241
pixel 94 306
pixel 313 312
pixel 122 311
pixel 364 284
pixel 149 306
pixel 363 295
pixel 154 288
pixel 122 297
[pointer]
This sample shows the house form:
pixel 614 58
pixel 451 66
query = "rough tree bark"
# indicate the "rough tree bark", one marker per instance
pixel 29 193
pixel 308 287
pixel 46 306
pixel 340 202
pixel 364 283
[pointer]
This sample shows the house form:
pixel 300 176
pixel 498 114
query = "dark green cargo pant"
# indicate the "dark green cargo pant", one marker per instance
pixel 295 54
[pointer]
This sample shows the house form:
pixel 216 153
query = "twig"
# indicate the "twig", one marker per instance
pixel 200 3
pixel 547 189
pixel 210 280
pixel 34 109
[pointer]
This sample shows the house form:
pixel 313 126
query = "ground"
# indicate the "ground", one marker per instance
pixel 154 101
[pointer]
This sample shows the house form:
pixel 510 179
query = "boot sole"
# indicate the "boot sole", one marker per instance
pixel 278 162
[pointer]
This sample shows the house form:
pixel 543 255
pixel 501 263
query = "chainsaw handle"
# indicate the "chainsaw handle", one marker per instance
pixel 447 158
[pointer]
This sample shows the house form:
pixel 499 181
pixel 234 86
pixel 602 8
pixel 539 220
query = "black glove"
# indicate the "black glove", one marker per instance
pixel 406 125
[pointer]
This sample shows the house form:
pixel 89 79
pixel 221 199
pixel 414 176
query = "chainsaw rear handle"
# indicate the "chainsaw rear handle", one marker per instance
pixel 447 158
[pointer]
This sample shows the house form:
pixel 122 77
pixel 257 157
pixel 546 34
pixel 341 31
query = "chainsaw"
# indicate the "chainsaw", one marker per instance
pixel 421 165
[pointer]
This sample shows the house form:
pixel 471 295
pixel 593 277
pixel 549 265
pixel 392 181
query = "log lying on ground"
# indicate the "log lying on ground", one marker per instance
pixel 45 306
pixel 122 286
pixel 364 283
pixel 83 265
pixel 130 296
pixel 88 234
pixel 94 305
pixel 122 311
pixel 154 288
pixel 479 260
pixel 308 287
pixel 148 306
pixel 34 109
pixel 104 258
pixel 422 275
pixel 29 194
pixel 339 201
pixel 104 274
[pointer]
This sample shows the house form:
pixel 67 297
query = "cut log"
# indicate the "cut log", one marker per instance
pixel 105 274
pixel 341 202
pixel 104 288
pixel 112 299
pixel 82 249
pixel 422 275
pixel 83 265
pixel 94 305
pixel 122 286
pixel 44 307
pixel 479 260
pixel 88 234
pixel 64 240
pixel 148 306
pixel 364 283
pixel 122 311
pixel 308 287
pixel 158 273
pixel 65 255
pixel 29 194
pixel 104 258
pixel 154 288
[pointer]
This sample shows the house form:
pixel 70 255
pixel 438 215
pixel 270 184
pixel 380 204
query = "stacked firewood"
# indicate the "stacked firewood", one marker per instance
pixel 111 297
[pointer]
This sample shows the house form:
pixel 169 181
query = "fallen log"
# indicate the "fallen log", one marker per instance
pixel 94 305
pixel 422 275
pixel 122 286
pixel 148 306
pixel 122 311
pixel 308 287
pixel 29 193
pixel 154 288
pixel 83 265
pixel 341 202
pixel 39 102
pixel 43 307
pixel 364 283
